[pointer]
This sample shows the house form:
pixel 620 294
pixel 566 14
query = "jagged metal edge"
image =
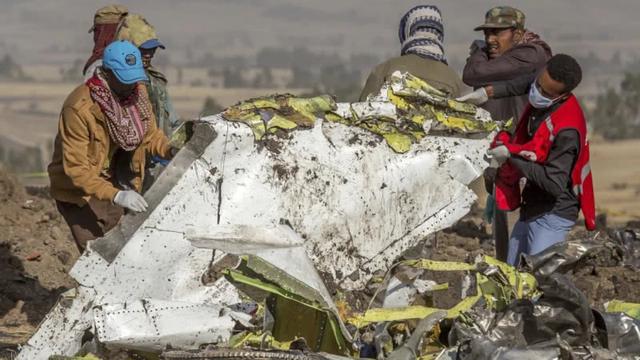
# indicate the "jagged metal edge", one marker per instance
pixel 110 245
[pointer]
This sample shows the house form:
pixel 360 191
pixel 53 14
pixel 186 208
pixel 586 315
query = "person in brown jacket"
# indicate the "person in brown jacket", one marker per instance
pixel 106 127
pixel 422 38
pixel 508 51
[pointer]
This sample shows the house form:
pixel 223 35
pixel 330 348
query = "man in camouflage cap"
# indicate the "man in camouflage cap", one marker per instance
pixel 508 51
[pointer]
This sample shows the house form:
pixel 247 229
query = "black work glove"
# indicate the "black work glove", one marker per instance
pixel 489 175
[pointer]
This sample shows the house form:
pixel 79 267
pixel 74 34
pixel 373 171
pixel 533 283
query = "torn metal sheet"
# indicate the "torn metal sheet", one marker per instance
pixel 567 255
pixel 279 246
pixel 622 334
pixel 357 204
pixel 61 331
pixel 149 325
pixel 410 348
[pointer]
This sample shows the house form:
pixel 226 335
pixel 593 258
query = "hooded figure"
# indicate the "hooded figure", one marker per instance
pixel 106 22
pixel 421 36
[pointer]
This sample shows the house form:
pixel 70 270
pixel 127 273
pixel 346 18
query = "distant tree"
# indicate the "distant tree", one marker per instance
pixel 232 78
pixel 207 60
pixel 9 69
pixel 211 107
pixel 264 79
pixel 180 76
pixel 616 59
pixel 363 61
pixel 617 114
pixel 273 58
pixel 189 54
pixel 73 73
pixel 161 59
pixel 341 82
pixel 302 78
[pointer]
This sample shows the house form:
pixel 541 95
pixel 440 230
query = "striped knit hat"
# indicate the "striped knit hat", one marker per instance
pixel 421 32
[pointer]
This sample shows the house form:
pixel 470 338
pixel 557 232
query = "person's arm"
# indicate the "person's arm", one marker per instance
pixel 74 134
pixel 174 119
pixel 156 142
pixel 552 176
pixel 514 87
pixel 481 71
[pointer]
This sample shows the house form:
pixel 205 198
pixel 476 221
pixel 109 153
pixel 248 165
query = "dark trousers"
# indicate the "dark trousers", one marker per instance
pixel 90 221
pixel 501 234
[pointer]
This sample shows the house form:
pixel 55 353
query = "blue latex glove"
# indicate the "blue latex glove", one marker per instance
pixel 159 160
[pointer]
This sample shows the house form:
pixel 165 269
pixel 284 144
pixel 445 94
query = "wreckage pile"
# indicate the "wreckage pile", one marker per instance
pixel 404 111
pixel 325 249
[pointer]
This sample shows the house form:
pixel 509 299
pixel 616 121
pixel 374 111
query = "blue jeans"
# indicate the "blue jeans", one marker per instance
pixel 535 235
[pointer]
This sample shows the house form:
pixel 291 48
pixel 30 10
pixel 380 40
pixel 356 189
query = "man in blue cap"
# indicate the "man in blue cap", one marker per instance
pixel 106 127
pixel 140 32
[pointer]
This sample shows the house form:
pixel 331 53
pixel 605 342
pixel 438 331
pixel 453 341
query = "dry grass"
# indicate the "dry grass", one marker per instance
pixel 188 100
pixel 616 172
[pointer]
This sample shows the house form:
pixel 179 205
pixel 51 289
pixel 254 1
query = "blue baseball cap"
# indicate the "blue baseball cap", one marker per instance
pixel 125 61
pixel 151 44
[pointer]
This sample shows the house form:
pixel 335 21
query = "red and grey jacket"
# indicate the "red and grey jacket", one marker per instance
pixel 536 148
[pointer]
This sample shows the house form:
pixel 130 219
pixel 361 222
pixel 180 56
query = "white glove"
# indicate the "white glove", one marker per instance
pixel 477 97
pixel 131 200
pixel 499 154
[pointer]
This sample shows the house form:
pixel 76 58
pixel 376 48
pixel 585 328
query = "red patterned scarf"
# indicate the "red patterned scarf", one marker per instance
pixel 127 120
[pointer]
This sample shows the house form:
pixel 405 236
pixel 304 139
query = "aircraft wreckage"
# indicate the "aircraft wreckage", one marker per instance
pixel 327 198
pixel 265 206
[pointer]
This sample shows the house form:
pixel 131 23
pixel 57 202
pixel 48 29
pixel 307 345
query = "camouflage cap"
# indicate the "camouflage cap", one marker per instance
pixel 136 28
pixel 502 17
pixel 110 14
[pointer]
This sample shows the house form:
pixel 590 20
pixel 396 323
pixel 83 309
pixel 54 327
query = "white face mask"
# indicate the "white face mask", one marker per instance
pixel 537 100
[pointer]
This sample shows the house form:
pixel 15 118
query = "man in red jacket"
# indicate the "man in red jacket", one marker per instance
pixel 550 150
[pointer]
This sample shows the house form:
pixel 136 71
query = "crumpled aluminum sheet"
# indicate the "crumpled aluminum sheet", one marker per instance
pixel 565 256
pixel 629 240
pixel 559 320
pixel 622 334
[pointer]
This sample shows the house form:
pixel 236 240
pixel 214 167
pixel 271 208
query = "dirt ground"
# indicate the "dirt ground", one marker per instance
pixel 36 252
pixel 601 283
